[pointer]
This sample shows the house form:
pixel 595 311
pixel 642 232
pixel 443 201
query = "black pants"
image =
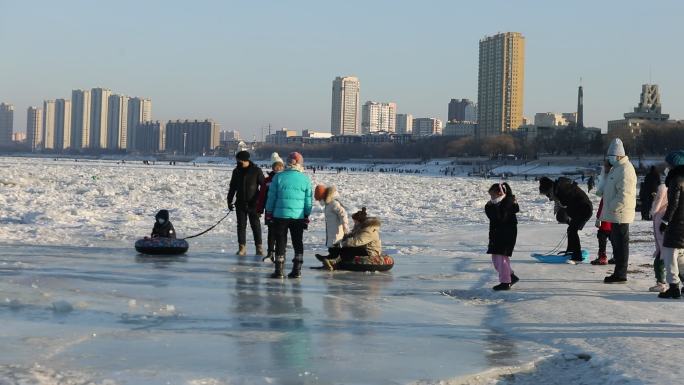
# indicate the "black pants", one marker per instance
pixel 575 225
pixel 296 228
pixel 271 239
pixel 619 238
pixel 347 253
pixel 244 213
pixel 602 240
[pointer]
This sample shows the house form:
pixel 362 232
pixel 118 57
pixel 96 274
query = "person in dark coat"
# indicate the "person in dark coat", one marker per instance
pixel 576 207
pixel 591 182
pixel 503 231
pixel 672 224
pixel 163 226
pixel 648 191
pixel 245 182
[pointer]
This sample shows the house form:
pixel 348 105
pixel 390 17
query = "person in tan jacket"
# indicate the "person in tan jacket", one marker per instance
pixel 619 207
pixel 363 240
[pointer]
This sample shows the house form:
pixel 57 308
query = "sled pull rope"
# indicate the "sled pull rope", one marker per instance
pixel 558 246
pixel 211 228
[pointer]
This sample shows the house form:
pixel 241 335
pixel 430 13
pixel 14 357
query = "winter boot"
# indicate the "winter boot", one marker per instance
pixel 279 267
pixel 322 257
pixel 502 286
pixel 297 263
pixel 269 257
pixel 514 279
pixel 331 263
pixel 259 251
pixel 673 292
pixel 659 287
pixel 242 251
pixel 602 259
pixel 611 261
pixel 613 279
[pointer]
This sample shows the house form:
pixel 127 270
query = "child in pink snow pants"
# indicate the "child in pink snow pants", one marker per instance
pixel 503 232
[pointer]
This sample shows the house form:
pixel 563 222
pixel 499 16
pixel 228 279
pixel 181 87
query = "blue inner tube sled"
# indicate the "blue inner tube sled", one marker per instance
pixel 161 246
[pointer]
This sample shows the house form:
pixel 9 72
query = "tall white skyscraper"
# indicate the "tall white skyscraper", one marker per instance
pixel 34 128
pixel 80 119
pixel 378 117
pixel 49 124
pixel 139 111
pixel 6 123
pixel 345 106
pixel 117 122
pixel 404 124
pixel 62 124
pixel 99 106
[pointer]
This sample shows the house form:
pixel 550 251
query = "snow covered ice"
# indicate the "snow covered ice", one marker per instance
pixel 78 304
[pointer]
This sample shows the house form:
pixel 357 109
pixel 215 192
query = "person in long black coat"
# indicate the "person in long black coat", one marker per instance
pixel 672 224
pixel 503 232
pixel 576 206
pixel 163 226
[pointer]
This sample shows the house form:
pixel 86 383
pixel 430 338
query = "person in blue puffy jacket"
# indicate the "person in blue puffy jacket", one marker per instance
pixel 288 207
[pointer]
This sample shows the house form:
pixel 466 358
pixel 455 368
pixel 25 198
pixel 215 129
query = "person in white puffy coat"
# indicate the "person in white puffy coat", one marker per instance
pixel 619 207
pixel 336 220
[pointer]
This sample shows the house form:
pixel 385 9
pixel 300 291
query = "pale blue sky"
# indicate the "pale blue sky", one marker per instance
pixel 250 63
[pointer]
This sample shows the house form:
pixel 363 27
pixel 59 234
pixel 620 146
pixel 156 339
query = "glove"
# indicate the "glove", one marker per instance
pixel 305 223
pixel 231 206
pixel 663 227
pixel 268 219
pixel 598 223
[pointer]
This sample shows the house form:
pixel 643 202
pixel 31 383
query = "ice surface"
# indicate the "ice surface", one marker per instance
pixel 212 318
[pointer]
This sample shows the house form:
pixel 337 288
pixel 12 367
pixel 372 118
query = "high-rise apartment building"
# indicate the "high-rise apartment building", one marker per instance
pixel 99 106
pixel 62 124
pixel 500 83
pixel 427 126
pixel 192 137
pixel 139 111
pixel 34 128
pixel 80 119
pixel 463 110
pixel 404 123
pixel 378 117
pixel 49 125
pixel 345 106
pixel 117 122
pixel 6 123
pixel 151 137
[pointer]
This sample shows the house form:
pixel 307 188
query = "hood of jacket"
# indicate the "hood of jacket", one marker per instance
pixel 164 214
pixel 330 194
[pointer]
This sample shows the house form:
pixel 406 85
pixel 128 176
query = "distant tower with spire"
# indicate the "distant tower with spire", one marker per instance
pixel 580 106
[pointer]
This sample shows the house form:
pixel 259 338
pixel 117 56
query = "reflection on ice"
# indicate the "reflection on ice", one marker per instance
pixel 207 315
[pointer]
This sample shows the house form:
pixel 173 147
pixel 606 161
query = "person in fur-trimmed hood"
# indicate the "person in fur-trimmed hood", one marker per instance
pixel 363 240
pixel 336 221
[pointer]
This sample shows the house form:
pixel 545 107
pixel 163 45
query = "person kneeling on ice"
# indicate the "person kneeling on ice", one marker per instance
pixel 503 232
pixel 162 226
pixel 336 221
pixel 363 240
pixel 577 207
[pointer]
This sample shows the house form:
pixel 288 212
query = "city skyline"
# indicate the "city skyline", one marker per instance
pixel 276 62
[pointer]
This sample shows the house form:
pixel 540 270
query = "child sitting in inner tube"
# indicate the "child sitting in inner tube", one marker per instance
pixel 162 226
pixel 363 240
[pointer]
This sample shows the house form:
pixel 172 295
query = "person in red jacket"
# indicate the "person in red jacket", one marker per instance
pixel 602 234
pixel 277 165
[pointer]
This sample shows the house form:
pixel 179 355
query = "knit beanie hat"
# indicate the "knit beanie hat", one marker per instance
pixel 275 158
pixel 319 192
pixel 360 216
pixel 242 155
pixel 616 148
pixel 675 158
pixel 295 158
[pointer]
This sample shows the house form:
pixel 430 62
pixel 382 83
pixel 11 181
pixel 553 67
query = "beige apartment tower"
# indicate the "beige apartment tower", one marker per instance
pixel 6 123
pixel 49 125
pixel 62 124
pixel 345 106
pixel 34 128
pixel 99 110
pixel 500 84
pixel 80 119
